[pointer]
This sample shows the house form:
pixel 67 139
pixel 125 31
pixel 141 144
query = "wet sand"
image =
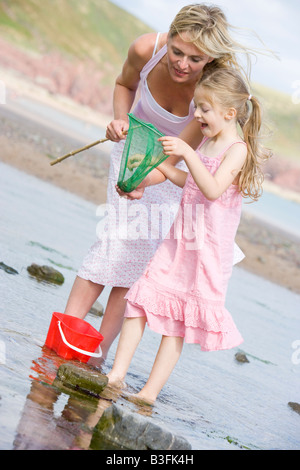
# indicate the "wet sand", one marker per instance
pixel 30 145
pixel 270 253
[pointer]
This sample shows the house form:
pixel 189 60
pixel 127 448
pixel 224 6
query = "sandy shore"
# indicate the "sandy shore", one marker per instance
pixel 29 145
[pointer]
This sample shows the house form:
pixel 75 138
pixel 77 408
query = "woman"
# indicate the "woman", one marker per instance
pixel 166 67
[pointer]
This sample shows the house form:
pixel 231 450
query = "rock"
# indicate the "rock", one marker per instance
pixel 97 309
pixel 81 378
pixel 122 429
pixel 46 273
pixel 241 357
pixel 8 269
pixel 294 406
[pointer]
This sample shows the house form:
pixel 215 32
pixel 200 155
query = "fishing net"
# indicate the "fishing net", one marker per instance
pixel 142 153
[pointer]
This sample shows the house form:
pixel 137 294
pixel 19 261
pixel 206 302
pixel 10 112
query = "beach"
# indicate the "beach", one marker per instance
pixel 30 142
pixel 212 400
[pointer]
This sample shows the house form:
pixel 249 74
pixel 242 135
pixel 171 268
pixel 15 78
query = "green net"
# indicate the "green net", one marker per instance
pixel 142 153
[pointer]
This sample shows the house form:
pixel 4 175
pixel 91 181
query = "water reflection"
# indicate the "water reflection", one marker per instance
pixel 46 424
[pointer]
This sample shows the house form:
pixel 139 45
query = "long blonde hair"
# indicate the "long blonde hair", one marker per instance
pixel 227 87
pixel 208 29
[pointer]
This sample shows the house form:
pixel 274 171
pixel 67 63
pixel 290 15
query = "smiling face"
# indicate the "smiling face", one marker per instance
pixel 185 61
pixel 212 117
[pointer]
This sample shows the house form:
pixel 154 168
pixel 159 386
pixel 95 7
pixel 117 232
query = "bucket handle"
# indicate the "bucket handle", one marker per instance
pixel 74 347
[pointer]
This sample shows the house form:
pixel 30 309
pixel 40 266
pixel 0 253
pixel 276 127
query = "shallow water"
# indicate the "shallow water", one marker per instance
pixel 211 399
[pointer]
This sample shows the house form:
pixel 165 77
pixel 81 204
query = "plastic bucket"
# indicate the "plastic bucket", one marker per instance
pixel 73 338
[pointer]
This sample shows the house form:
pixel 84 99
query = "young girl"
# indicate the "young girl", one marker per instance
pixel 181 294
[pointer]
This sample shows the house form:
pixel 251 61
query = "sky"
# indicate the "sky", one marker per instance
pixel 276 22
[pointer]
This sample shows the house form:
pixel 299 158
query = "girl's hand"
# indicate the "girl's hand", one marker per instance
pixel 175 147
pixel 116 130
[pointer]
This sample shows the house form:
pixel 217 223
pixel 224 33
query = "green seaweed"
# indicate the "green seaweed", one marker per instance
pixel 47 248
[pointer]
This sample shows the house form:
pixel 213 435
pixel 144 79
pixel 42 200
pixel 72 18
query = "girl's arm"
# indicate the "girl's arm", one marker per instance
pixel 212 186
pixel 192 135
pixel 173 174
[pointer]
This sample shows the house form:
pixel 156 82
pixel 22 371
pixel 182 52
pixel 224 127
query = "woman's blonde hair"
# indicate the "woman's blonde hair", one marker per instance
pixel 208 29
pixel 228 88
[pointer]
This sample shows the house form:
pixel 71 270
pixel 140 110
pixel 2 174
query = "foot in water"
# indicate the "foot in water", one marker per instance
pixel 115 382
pixel 138 399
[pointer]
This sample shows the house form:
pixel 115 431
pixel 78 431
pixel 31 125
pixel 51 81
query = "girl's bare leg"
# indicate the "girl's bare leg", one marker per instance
pixel 131 334
pixel 165 361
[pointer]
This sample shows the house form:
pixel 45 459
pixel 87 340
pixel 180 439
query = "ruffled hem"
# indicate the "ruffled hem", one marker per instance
pixel 207 324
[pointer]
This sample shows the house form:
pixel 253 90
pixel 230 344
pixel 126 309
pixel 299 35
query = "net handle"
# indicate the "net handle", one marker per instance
pixel 74 152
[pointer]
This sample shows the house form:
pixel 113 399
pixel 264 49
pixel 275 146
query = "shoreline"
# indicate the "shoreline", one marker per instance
pixel 269 252
pixel 29 144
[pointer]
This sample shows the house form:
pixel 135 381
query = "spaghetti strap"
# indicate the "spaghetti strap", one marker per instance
pixel 202 142
pixel 156 43
pixel 229 146
pixel 205 139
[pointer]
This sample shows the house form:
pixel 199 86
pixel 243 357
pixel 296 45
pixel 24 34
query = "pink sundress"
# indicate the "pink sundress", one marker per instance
pixel 182 290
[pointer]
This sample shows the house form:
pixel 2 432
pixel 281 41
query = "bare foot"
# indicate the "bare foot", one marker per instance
pixel 115 382
pixel 96 363
pixel 138 399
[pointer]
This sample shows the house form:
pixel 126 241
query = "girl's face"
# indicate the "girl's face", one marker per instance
pixel 185 61
pixel 211 117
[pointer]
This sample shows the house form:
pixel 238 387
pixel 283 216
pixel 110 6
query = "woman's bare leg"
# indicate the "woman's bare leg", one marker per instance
pixel 84 294
pixel 112 320
pixel 82 297
pixel 165 361
pixel 131 334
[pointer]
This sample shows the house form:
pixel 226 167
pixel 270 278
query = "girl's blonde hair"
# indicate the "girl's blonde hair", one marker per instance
pixel 209 32
pixel 227 87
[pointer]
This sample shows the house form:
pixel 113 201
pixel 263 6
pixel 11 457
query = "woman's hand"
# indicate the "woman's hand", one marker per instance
pixel 117 129
pixel 135 194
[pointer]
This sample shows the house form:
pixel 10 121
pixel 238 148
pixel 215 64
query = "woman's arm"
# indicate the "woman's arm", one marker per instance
pixel 166 171
pixel 127 83
pixel 211 185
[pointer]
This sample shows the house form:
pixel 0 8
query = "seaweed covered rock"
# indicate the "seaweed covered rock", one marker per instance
pixel 45 273
pixel 121 429
pixel 97 309
pixel 81 378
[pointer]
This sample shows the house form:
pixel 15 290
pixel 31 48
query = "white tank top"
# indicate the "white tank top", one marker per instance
pixel 149 110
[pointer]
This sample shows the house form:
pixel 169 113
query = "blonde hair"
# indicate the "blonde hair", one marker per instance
pixel 227 87
pixel 209 32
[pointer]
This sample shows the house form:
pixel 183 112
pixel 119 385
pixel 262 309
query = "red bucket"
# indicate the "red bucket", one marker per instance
pixel 73 338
